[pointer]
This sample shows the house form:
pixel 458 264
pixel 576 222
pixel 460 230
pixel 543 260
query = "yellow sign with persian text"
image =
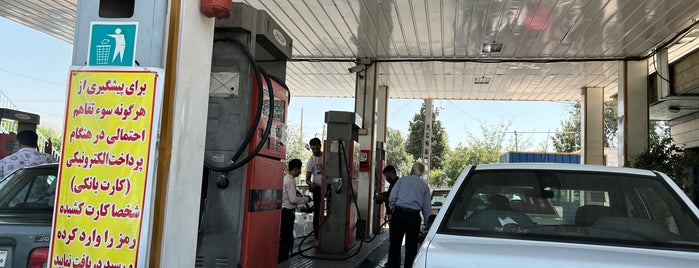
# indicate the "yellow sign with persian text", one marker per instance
pixel 103 203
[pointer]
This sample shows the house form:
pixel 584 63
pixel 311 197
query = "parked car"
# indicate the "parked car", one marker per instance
pixel 438 198
pixel 503 215
pixel 26 209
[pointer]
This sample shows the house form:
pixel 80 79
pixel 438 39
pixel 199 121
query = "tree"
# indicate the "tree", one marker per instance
pixel 658 130
pixel 455 161
pixel 480 150
pixel 437 178
pixel 295 145
pixel 417 132
pixel 670 159
pixel 50 133
pixel 491 145
pixel 396 154
pixel 568 139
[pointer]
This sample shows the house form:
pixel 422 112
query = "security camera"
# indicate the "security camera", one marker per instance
pixel 356 68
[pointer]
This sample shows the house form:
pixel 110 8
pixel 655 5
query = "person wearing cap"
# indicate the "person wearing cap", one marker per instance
pixel 27 155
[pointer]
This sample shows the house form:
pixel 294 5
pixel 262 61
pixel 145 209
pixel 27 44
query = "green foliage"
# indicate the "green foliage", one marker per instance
pixel 668 158
pixel 416 132
pixel 46 134
pixel 489 147
pixel 295 145
pixel 480 150
pixel 437 179
pixel 568 138
pixel 455 161
pixel 658 130
pixel 396 154
pixel 611 124
pixel 50 133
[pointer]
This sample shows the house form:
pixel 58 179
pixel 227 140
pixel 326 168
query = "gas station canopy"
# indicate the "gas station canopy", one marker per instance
pixel 542 50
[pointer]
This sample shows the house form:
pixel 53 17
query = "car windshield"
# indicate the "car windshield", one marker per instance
pixel 28 189
pixel 439 196
pixel 584 207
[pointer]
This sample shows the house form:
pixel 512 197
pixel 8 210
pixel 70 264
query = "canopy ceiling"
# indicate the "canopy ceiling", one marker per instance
pixel 434 48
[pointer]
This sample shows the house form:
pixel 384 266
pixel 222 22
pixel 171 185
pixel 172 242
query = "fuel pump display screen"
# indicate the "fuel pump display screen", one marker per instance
pixel 279 106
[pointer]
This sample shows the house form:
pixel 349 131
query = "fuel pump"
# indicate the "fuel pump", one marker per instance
pixel 341 169
pixel 245 142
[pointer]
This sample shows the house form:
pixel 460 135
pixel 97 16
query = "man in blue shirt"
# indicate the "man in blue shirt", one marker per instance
pixel 409 196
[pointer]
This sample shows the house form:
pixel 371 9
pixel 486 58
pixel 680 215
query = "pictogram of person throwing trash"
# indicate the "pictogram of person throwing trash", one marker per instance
pixel 120 44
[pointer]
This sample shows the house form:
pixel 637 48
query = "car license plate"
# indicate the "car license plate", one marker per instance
pixel 3 257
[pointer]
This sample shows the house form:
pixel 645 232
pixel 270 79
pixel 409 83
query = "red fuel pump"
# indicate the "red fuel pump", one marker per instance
pixel 242 183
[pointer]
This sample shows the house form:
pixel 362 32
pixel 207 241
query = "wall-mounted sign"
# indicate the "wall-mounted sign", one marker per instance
pixel 112 44
pixel 103 201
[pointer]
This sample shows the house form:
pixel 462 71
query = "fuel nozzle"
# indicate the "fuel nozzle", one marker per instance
pixel 337 184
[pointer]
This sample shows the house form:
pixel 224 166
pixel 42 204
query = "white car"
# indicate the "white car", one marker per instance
pixel 562 215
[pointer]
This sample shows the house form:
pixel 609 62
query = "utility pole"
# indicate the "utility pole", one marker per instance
pixel 427 135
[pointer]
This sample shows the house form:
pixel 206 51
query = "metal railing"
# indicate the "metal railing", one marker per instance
pixel 9 126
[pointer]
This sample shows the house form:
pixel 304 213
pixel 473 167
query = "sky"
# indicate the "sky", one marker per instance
pixel 34 72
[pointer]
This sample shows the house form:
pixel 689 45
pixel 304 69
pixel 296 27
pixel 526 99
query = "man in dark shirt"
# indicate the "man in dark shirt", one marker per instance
pixel 391 177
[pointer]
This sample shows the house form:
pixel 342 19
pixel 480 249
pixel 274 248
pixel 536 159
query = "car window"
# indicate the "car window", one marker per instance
pixel 583 207
pixel 438 197
pixel 28 189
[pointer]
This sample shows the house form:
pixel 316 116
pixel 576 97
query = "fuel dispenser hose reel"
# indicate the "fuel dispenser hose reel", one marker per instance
pixel 258 71
pixel 223 180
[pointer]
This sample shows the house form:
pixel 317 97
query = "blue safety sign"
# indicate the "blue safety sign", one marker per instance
pixel 112 44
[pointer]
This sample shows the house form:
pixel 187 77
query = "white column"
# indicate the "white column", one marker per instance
pixel 592 124
pixel 381 134
pixel 187 125
pixel 366 106
pixel 633 108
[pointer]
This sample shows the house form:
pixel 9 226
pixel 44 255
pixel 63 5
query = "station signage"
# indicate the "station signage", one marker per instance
pixel 112 43
pixel 102 213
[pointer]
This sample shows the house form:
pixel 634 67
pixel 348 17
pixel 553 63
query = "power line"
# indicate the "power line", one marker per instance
pixel 411 101
pixel 465 113
pixel 31 77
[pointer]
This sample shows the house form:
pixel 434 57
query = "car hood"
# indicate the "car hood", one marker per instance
pixel 31 218
pixel 464 251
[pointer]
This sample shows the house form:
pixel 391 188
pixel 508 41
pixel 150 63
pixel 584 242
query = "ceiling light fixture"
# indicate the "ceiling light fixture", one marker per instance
pixel 491 47
pixel 481 80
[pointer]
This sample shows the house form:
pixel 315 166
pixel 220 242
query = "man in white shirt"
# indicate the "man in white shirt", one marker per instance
pixel 314 179
pixel 27 155
pixel 409 196
pixel 289 203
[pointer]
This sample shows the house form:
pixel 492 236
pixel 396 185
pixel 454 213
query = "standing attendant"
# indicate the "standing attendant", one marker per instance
pixel 314 179
pixel 289 203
